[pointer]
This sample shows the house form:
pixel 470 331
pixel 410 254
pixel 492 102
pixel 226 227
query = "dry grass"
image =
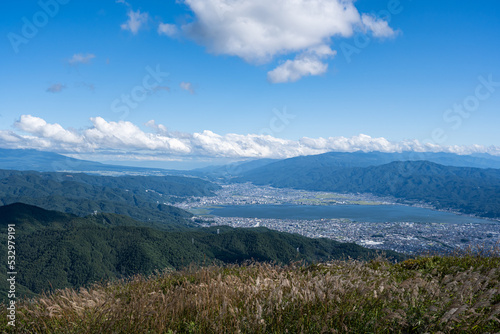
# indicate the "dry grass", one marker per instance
pixel 449 294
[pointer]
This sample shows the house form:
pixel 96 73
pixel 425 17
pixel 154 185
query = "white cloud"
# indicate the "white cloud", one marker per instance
pixel 293 70
pixel 259 30
pixel 125 135
pixel 380 28
pixel 160 128
pixel 187 86
pixel 167 29
pixel 320 51
pixel 135 21
pixel 39 127
pixel 308 63
pixel 119 138
pixel 80 58
pixel 56 88
pixel 9 138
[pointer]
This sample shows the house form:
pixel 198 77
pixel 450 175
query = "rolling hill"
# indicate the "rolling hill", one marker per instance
pixel 140 197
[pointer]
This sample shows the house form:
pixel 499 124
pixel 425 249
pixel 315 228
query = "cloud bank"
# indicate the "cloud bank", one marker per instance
pixel 125 138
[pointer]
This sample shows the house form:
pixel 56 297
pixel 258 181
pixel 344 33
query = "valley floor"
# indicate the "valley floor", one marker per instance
pixel 403 237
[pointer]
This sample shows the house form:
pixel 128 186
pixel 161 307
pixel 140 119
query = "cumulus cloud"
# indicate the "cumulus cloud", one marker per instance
pixel 187 86
pixel 128 136
pixel 80 58
pixel 160 128
pixel 293 70
pixel 167 29
pixel 308 63
pixel 259 30
pixel 56 88
pixel 118 138
pixel 40 128
pixel 10 139
pixel 380 28
pixel 135 21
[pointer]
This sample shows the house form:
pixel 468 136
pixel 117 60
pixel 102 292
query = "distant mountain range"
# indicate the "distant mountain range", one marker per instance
pixel 337 160
pixel 57 250
pixel 465 189
pixel 230 170
pixel 28 159
pixel 40 161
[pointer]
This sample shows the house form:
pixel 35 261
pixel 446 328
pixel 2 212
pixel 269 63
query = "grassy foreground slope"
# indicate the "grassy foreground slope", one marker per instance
pixel 453 294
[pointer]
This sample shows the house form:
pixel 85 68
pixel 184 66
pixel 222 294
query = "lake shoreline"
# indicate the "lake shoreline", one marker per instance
pixel 394 212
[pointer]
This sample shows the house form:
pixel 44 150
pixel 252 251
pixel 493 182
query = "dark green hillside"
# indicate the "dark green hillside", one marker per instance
pixel 163 216
pixel 262 244
pixel 140 197
pixel 32 217
pixel 56 250
pixel 75 184
pixel 469 190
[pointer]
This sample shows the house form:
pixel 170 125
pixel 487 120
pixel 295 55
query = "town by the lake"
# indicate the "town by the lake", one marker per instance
pixel 432 230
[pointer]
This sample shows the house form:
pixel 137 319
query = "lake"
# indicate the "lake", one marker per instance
pixel 359 213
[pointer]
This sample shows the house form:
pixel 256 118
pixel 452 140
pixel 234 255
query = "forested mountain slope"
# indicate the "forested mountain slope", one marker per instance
pixel 140 197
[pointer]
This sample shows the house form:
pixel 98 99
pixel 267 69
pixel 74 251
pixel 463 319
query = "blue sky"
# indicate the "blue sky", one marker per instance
pixel 248 79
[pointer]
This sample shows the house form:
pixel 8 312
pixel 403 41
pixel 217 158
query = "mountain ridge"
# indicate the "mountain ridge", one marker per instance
pixel 141 197
pixel 464 189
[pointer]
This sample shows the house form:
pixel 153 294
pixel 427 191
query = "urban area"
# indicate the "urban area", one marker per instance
pixel 404 236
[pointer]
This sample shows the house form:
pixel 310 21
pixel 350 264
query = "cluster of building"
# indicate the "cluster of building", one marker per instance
pixel 404 237
pixel 247 193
